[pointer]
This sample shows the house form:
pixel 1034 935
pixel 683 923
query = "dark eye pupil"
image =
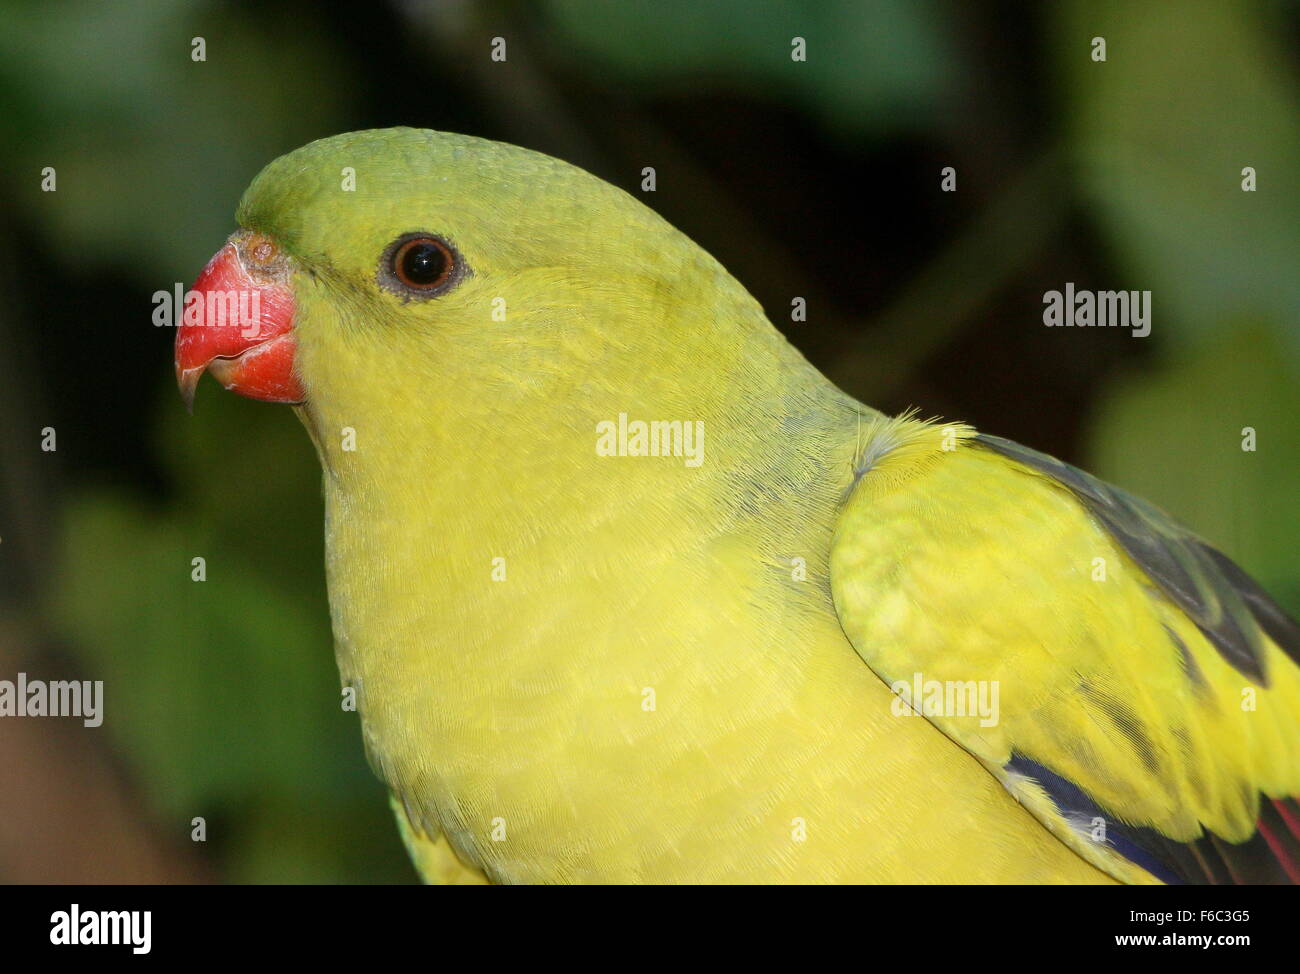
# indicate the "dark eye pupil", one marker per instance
pixel 423 263
pixel 418 265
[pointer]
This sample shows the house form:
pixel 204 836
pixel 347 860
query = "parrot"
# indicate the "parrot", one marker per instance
pixel 629 592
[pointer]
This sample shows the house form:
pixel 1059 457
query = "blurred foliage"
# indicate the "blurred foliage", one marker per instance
pixel 145 140
pixel 224 697
pixel 1162 132
pixel 870 65
pixel 1161 140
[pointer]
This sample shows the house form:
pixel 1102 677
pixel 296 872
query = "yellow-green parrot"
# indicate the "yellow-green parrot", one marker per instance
pixel 627 591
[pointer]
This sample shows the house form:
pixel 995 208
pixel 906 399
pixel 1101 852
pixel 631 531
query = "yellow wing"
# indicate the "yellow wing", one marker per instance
pixel 1130 685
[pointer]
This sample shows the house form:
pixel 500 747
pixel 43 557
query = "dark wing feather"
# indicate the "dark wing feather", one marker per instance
pixel 1236 616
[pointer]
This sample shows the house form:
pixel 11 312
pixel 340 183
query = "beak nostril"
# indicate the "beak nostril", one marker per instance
pixel 261 249
pixel 261 256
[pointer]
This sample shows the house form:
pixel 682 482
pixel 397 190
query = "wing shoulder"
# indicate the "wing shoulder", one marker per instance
pixel 1133 687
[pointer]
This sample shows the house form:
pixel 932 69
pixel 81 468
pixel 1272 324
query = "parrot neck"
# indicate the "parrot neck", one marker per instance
pixel 475 518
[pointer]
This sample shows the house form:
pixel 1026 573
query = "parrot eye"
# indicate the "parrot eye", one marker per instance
pixel 420 265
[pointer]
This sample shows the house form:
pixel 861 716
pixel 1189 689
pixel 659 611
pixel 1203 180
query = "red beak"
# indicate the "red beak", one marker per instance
pixel 238 323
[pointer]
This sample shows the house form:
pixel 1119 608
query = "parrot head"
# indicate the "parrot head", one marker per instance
pixel 408 268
